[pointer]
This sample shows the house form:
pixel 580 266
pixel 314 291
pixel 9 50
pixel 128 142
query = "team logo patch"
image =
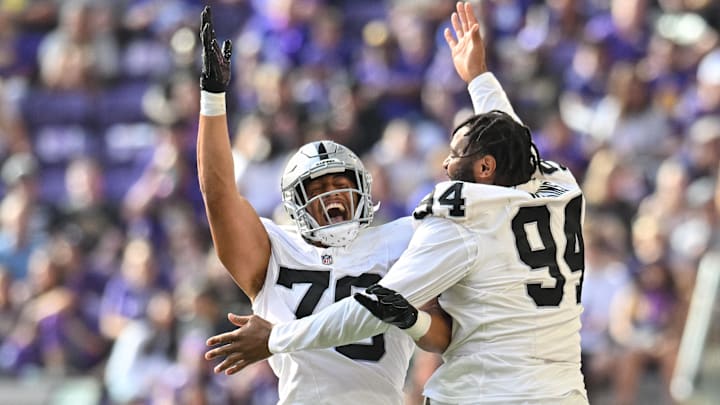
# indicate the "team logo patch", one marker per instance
pixel 327 260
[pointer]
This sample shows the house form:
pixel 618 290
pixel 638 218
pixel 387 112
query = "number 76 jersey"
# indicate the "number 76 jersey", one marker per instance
pixel 516 286
pixel 302 279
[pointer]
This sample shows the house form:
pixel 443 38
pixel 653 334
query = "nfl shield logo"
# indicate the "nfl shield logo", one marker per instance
pixel 327 260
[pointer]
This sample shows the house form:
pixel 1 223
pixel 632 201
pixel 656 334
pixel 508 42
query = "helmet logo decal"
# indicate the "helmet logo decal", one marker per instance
pixel 327 260
pixel 322 151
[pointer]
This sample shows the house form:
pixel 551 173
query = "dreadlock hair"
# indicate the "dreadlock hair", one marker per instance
pixel 496 133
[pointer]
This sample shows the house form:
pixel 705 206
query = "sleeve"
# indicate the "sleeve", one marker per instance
pixel 487 94
pixel 439 255
pixel 343 322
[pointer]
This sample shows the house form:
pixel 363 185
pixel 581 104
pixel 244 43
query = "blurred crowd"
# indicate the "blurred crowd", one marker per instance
pixel 106 263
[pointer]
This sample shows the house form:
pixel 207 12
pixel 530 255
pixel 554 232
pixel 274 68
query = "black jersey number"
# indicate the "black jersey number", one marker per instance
pixel 574 254
pixel 452 198
pixel 319 282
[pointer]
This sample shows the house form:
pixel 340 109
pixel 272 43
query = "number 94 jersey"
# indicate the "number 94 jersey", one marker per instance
pixel 515 293
pixel 302 279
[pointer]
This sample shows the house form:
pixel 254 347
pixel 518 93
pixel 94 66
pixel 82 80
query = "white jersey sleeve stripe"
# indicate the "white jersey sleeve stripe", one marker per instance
pixel 487 94
pixel 344 322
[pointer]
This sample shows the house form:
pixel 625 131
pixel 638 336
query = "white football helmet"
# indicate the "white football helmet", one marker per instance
pixel 317 159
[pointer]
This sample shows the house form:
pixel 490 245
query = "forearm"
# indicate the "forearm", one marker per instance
pixel 437 338
pixel 487 94
pixel 214 155
pixel 239 237
pixel 343 323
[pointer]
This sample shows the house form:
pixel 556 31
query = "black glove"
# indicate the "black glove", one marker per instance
pixel 390 307
pixel 215 75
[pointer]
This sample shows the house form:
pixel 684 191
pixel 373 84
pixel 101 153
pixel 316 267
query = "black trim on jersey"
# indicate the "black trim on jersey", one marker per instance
pixel 547 167
pixel 424 208
pixel 548 189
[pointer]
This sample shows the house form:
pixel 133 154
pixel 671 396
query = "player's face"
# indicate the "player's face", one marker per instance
pixel 339 206
pixel 457 166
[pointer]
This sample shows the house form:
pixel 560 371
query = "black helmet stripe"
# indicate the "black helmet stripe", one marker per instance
pixel 322 151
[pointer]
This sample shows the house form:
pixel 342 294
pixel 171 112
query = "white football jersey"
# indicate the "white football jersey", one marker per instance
pixel 514 276
pixel 303 279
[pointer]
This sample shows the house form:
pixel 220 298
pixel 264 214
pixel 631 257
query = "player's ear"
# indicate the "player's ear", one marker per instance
pixel 484 169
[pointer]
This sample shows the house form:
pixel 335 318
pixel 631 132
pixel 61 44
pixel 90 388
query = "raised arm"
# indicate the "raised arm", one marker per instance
pixel 467 48
pixel 240 239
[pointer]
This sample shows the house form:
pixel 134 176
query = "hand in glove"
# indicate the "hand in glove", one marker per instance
pixel 215 75
pixel 390 306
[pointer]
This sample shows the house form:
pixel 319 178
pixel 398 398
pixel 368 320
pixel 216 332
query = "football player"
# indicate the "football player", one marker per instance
pixel 289 274
pixel 500 243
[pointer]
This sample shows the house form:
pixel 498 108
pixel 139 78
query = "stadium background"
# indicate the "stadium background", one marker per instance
pixel 108 282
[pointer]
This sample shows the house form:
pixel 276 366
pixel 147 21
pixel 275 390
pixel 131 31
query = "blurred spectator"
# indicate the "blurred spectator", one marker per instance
pixel 703 98
pixel 229 297
pixel 168 177
pixel 612 186
pixel 393 61
pixel 128 292
pixel 629 122
pixel 78 54
pixel 557 142
pixel 667 203
pixel 9 311
pixel 434 173
pixel 398 152
pixel 383 193
pixel 625 30
pixel 51 325
pixel 85 214
pixel 143 352
pixel 702 147
pixel 22 218
pixel 354 119
pixel 80 275
pixel 645 323
pixel 255 164
pixel 13 134
pixel 184 247
pixel 606 273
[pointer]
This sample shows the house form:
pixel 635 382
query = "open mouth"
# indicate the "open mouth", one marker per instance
pixel 336 213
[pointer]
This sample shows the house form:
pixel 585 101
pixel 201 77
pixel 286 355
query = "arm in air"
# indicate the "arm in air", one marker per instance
pixel 240 239
pixel 467 48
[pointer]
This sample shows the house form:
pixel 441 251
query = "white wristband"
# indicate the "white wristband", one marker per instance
pixel 421 326
pixel 212 104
